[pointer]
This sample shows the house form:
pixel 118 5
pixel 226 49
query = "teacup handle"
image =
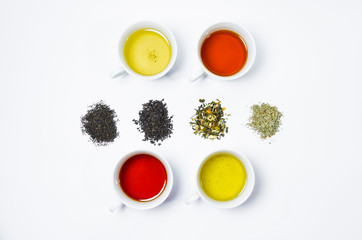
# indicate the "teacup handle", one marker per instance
pixel 192 198
pixel 197 75
pixel 115 207
pixel 117 72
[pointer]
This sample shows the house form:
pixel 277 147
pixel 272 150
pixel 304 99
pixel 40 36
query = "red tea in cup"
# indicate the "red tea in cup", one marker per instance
pixel 224 52
pixel 143 177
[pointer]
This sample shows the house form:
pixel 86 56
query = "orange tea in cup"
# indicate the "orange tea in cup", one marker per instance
pixel 224 52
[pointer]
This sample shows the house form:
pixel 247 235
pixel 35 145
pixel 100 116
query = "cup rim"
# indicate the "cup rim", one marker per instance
pixel 250 42
pixel 147 24
pixel 136 204
pixel 244 194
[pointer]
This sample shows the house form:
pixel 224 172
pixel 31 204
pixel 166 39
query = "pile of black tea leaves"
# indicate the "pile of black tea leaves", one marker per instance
pixel 154 122
pixel 100 124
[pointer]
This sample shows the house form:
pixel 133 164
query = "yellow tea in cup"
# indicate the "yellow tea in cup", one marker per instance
pixel 147 51
pixel 222 176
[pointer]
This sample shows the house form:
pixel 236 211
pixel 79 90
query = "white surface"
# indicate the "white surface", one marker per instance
pixel 55 57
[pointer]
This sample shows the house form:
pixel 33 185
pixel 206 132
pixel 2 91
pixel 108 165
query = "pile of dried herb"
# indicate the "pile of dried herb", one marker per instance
pixel 209 120
pixel 154 121
pixel 100 124
pixel 265 120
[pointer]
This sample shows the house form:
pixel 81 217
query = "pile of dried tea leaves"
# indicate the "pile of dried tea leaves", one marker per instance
pixel 209 120
pixel 100 124
pixel 265 120
pixel 154 122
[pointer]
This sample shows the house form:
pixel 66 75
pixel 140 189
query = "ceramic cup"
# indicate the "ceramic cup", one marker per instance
pixel 133 203
pixel 124 68
pixel 241 198
pixel 250 43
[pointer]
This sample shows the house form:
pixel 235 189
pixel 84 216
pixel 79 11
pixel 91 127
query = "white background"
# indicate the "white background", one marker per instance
pixel 55 57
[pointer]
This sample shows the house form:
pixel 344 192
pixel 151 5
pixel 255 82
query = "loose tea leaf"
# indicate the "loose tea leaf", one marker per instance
pixel 100 124
pixel 265 120
pixel 209 121
pixel 154 121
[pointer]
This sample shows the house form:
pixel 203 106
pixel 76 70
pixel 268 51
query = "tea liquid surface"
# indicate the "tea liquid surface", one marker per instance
pixel 147 52
pixel 222 177
pixel 224 52
pixel 143 177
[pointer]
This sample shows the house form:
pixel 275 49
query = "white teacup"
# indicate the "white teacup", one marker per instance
pixel 250 43
pixel 243 195
pixel 133 28
pixel 126 200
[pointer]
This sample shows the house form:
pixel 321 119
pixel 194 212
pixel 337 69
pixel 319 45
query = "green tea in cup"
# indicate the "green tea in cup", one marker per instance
pixel 222 176
pixel 147 51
